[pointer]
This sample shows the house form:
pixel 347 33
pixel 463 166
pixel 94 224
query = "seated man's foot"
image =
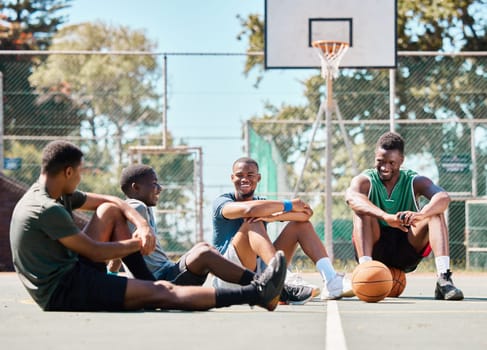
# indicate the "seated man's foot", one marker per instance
pixel 295 294
pixel 338 287
pixel 294 278
pixel 269 284
pixel 445 290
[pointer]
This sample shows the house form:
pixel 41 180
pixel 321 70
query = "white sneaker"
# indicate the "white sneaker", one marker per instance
pixel 296 280
pixel 338 287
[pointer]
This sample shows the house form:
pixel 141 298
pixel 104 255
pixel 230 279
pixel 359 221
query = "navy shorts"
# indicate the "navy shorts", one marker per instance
pixel 394 250
pixel 178 273
pixel 88 288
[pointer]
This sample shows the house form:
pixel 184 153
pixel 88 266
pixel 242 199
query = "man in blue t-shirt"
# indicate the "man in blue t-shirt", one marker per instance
pixel 240 232
pixel 388 224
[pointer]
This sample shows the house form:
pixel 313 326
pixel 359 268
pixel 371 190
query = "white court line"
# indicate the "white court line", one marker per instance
pixel 335 339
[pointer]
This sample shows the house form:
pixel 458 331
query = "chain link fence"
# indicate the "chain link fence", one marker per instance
pixel 439 106
pixel 114 116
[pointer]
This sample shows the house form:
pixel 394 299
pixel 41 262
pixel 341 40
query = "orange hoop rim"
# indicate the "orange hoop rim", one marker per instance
pixel 329 46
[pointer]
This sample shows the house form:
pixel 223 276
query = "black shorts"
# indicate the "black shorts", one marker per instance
pixel 394 250
pixel 179 274
pixel 88 288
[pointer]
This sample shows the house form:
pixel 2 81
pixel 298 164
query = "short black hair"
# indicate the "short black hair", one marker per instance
pixel 246 160
pixel 133 173
pixel 391 141
pixel 59 155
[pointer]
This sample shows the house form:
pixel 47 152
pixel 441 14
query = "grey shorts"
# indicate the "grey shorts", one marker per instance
pixel 178 273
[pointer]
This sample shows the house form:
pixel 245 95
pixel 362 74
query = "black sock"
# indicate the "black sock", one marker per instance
pixel 136 264
pixel 247 277
pixel 230 296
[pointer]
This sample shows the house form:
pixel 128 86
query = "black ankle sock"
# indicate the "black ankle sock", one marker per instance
pixel 247 277
pixel 230 296
pixel 136 264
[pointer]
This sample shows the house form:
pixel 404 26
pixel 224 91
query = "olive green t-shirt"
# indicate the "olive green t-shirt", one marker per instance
pixel 38 221
pixel 402 197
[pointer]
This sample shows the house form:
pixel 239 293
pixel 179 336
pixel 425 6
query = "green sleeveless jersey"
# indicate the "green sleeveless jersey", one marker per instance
pixel 402 197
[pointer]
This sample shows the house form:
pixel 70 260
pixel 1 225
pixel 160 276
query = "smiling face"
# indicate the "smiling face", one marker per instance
pixel 147 189
pixel 245 177
pixel 388 164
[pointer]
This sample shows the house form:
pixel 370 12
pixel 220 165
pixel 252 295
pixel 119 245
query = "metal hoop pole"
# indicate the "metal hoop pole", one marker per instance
pixel 328 194
pixel 310 145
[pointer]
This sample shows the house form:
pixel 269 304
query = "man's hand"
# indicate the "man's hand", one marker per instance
pixel 409 218
pixel 395 221
pixel 403 220
pixel 300 206
pixel 148 238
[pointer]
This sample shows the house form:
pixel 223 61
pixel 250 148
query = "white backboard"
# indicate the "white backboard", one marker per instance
pixel 369 26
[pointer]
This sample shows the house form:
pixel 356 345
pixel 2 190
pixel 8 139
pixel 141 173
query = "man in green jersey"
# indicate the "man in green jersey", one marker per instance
pixel 388 223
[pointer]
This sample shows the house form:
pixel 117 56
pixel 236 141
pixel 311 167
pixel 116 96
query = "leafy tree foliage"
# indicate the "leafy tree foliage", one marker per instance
pixel 30 25
pixel 115 92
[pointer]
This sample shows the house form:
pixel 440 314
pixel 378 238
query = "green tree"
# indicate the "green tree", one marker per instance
pixel 30 25
pixel 114 91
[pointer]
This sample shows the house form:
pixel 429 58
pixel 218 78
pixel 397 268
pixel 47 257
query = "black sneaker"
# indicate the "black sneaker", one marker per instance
pixel 445 290
pixel 270 282
pixel 295 294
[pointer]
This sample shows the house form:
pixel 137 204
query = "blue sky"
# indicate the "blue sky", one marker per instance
pixel 209 97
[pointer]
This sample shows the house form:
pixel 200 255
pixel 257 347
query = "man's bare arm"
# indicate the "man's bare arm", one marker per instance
pixel 144 231
pixel 100 251
pixel 261 208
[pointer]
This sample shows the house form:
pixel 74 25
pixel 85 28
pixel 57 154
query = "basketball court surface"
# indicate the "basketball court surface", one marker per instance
pixel 413 321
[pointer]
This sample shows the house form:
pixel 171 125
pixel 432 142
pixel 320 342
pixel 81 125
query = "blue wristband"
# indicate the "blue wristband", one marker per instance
pixel 288 205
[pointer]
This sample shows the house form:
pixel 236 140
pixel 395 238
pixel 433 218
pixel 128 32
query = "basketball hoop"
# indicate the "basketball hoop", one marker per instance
pixel 331 53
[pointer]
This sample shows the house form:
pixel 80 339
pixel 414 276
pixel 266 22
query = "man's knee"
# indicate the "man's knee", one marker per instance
pixel 108 210
pixel 204 250
pixel 255 226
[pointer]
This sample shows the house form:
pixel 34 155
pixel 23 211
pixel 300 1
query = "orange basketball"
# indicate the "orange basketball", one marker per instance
pixel 371 281
pixel 398 282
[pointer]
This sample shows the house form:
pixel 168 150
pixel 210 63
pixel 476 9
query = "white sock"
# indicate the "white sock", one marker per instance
pixel 364 258
pixel 442 264
pixel 326 269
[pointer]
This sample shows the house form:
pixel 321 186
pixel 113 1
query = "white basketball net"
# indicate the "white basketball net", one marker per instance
pixel 331 53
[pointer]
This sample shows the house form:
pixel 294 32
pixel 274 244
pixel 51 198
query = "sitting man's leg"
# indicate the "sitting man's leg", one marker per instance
pixel 336 285
pixel 263 291
pixel 109 224
pixel 252 241
pixel 435 232
pixel 193 267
